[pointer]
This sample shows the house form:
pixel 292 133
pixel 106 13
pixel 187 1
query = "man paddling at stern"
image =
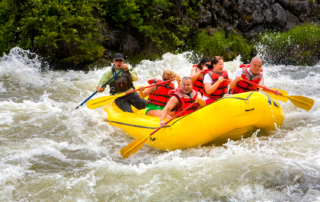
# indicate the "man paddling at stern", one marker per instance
pixel 122 83
pixel 182 98
pixel 252 72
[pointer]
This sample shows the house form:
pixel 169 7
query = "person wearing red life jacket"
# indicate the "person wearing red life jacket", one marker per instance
pixel 159 95
pixel 252 72
pixel 182 98
pixel 197 73
pixel 216 81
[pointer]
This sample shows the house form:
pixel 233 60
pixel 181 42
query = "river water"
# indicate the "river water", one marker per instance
pixel 51 152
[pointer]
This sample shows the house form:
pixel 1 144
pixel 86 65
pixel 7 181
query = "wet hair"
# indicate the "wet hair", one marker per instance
pixel 215 60
pixel 169 73
pixel 203 61
pixel 186 78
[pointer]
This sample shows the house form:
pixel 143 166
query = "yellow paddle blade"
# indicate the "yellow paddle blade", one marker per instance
pixel 133 147
pixel 282 97
pixel 301 101
pixel 98 102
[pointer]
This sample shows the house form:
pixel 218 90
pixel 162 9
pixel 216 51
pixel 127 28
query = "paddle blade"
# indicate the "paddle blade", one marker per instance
pixel 98 102
pixel 282 97
pixel 133 147
pixel 301 101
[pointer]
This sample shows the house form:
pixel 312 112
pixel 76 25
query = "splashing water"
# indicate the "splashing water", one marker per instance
pixel 50 152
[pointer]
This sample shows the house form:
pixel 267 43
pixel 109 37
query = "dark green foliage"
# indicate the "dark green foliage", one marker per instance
pixel 57 28
pixel 78 31
pixel 166 24
pixel 300 46
pixel 220 45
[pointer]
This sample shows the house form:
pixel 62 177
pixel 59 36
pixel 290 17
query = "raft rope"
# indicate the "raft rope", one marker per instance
pixel 228 97
pixel 137 126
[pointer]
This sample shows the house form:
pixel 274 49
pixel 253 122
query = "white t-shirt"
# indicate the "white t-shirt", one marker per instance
pixel 239 73
pixel 207 79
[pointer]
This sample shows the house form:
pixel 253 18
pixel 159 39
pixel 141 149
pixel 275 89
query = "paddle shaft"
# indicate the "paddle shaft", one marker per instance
pixel 299 101
pixel 92 104
pixel 149 86
pixel 101 87
pixel 190 105
pixel 259 85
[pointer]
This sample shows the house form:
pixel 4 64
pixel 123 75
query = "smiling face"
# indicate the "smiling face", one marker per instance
pixel 255 65
pixel 217 68
pixel 186 85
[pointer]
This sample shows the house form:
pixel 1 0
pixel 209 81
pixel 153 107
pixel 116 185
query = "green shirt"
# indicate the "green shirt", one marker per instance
pixel 108 75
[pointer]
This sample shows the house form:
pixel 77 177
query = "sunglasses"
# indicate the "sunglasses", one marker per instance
pixel 165 79
pixel 118 60
pixel 207 65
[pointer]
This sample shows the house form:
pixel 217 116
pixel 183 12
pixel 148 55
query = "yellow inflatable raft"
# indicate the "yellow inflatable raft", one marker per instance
pixel 228 118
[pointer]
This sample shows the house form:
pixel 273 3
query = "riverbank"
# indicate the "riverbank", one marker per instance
pixel 84 35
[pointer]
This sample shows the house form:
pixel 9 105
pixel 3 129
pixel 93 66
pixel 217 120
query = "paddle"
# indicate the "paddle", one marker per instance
pixel 101 86
pixel 136 145
pixel 98 102
pixel 278 97
pixel 298 100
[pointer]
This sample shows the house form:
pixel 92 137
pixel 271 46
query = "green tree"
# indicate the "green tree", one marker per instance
pixel 168 24
pixel 57 28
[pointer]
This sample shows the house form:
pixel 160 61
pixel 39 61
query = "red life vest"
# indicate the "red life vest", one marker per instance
pixel 185 100
pixel 160 96
pixel 198 84
pixel 242 86
pixel 222 88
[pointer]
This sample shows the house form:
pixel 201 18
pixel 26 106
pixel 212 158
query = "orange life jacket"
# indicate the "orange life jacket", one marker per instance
pixel 222 88
pixel 160 96
pixel 185 100
pixel 242 86
pixel 198 84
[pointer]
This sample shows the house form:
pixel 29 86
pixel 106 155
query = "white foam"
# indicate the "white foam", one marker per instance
pixel 80 153
pixel 20 68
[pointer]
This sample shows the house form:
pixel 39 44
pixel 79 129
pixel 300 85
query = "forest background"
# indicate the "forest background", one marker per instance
pixel 80 34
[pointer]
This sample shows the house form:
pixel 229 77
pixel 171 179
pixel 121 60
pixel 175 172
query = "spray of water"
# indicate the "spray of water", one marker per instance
pixel 51 152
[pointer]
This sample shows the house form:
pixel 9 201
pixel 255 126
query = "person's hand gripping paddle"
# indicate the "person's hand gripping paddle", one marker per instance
pixel 106 83
pixel 98 102
pixel 298 100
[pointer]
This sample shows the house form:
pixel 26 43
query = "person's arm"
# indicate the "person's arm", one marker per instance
pixel 234 82
pixel 143 92
pixel 236 79
pixel 200 100
pixel 211 88
pixel 133 74
pixel 106 76
pixel 169 106
pixel 194 75
pixel 179 81
pixel 261 83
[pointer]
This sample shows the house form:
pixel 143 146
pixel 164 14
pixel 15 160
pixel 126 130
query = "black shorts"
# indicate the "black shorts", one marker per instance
pixel 125 102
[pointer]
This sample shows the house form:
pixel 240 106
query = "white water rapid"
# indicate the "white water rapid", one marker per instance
pixel 51 152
